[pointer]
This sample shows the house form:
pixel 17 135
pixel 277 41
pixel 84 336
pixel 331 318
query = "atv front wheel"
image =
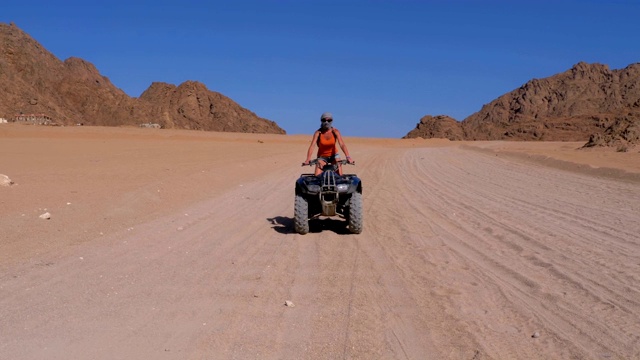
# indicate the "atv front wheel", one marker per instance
pixel 355 213
pixel 301 215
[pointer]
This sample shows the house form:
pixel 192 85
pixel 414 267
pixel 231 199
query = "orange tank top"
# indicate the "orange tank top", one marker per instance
pixel 326 147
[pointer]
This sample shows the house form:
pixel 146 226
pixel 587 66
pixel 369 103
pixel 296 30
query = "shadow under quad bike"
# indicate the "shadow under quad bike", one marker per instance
pixel 328 194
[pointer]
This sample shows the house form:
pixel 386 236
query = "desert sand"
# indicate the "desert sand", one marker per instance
pixel 167 244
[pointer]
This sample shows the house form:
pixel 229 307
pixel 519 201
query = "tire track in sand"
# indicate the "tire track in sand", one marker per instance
pixel 572 277
pixel 463 255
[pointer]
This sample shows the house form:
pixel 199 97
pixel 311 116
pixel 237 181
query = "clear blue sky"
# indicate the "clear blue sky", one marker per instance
pixel 378 66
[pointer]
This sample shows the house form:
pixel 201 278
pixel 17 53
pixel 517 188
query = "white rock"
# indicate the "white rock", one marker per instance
pixel 45 216
pixel 5 181
pixel 289 303
pixel 535 335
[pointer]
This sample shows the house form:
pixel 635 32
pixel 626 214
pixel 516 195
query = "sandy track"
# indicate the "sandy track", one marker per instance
pixel 464 255
pixel 518 249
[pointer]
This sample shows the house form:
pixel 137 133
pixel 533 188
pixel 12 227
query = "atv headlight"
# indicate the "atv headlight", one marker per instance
pixel 313 188
pixel 343 187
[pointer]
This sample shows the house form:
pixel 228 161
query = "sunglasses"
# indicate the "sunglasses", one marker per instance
pixel 327 120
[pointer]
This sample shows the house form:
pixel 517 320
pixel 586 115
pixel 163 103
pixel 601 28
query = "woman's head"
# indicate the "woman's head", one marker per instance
pixel 326 119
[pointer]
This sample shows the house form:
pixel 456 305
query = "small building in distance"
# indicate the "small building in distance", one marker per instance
pixel 151 125
pixel 34 119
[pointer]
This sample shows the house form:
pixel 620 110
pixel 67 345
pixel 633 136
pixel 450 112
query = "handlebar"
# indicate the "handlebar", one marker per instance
pixel 343 162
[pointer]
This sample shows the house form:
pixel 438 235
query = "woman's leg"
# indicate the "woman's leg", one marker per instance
pixel 336 160
pixel 319 166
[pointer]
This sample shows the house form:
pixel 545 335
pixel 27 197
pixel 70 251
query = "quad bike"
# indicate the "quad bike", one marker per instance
pixel 328 194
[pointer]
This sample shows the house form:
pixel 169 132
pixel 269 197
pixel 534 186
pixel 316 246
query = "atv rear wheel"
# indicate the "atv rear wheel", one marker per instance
pixel 355 213
pixel 301 215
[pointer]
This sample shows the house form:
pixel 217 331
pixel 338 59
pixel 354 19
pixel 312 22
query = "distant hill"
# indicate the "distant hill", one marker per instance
pixel 440 126
pixel 577 105
pixel 34 81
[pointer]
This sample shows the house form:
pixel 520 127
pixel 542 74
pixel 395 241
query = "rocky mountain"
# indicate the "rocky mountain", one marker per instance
pixel 623 133
pixel 34 81
pixel 440 126
pixel 571 106
pixel 192 106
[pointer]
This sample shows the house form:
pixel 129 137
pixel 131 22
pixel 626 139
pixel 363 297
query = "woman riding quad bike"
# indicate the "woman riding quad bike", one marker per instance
pixel 327 138
pixel 328 194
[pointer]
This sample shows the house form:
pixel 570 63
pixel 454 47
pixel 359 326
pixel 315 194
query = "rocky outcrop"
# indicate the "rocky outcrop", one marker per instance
pixel 566 107
pixel 570 106
pixel 440 126
pixel 192 106
pixel 623 134
pixel 33 81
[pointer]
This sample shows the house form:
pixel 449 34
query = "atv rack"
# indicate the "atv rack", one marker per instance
pixel 329 194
